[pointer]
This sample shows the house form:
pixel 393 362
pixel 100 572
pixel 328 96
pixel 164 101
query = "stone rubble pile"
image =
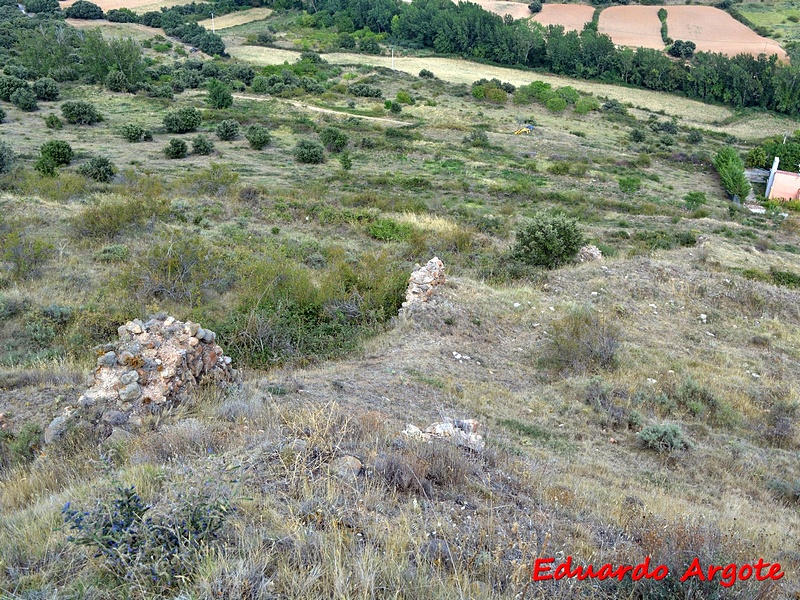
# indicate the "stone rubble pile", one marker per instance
pixel 423 283
pixel 150 368
pixel 589 254
pixel 461 432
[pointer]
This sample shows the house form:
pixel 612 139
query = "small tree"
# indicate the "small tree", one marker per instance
pixel 99 169
pixel 535 6
pixel 202 145
pixel 257 136
pixel 84 10
pixel 309 152
pixel 548 241
pixel 228 129
pixel 59 151
pixel 24 99
pixel 10 84
pixel 46 89
pixel 176 149
pixel 183 120
pixel 219 94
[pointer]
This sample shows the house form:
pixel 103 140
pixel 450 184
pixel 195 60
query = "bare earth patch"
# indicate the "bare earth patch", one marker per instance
pixel 122 29
pixel 237 18
pixel 714 30
pixel 636 26
pixel 571 16
pixel 137 6
pixel 518 10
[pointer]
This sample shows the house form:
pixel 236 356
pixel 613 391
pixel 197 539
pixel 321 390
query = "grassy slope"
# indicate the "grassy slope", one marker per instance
pixel 552 481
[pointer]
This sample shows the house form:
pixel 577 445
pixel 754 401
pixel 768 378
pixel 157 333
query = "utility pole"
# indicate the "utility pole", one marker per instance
pixel 213 29
pixel 393 58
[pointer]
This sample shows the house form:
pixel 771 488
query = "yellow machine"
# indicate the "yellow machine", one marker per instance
pixel 524 129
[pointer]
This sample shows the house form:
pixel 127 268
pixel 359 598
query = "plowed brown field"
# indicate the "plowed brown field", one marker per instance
pixel 636 26
pixel 714 30
pixel 518 10
pixel 137 6
pixel 571 16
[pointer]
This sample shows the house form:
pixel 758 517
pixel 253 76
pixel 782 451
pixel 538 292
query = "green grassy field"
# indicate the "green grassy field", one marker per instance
pixel 690 319
pixel 783 18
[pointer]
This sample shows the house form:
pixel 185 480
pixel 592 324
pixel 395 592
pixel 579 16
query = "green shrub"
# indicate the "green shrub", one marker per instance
pixel 79 112
pixel 99 169
pixel 2 114
pixel 219 94
pixel 183 120
pixel 586 105
pixel 53 122
pixel 24 99
pixel 694 200
pixel 257 136
pixel 477 138
pixel 426 74
pixel 59 151
pixel 365 91
pixel 6 157
pixel 535 6
pixel 176 149
pixel 346 161
pixel 260 84
pixel 46 89
pixel 581 341
pixel 556 104
pixel 20 448
pixel 228 129
pixel 334 139
pixel 630 185
pixel 83 9
pixel 395 107
pixel 404 97
pixel 157 550
pixel 109 218
pixel 24 253
pixel 201 144
pixel 548 241
pixel 757 157
pixel 730 168
pixel 389 230
pixel 122 15
pixel 569 94
pixel 638 135
pixel 10 84
pixel 309 152
pixel 116 81
pixel 45 166
pixel 134 133
pixel 216 180
pixel 695 137
pixel 664 437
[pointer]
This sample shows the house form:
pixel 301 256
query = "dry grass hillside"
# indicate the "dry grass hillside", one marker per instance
pixel 642 405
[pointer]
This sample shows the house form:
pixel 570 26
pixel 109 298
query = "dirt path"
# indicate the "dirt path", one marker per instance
pixel 328 111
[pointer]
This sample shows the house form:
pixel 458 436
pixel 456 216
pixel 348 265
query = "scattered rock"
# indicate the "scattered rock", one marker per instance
pixel 589 254
pixel 347 467
pixel 55 430
pixel 463 433
pixel 423 283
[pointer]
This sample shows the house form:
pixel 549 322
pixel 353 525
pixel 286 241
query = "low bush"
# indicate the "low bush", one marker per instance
pixel 334 139
pixel 6 157
pixel 82 9
pixel 363 90
pixel 46 89
pixel 630 185
pixel 582 341
pixel 694 200
pixel 309 152
pixel 135 133
pixel 99 169
pixel 257 136
pixel 426 74
pixel 477 138
pixel 59 151
pixel 389 230
pixel 548 241
pixel 664 437
pixel 52 121
pixel 10 84
pixel 24 253
pixel 116 81
pixel 201 144
pixel 79 112
pixel 156 550
pixel 227 129
pixel 109 218
pixel 24 99
pixel 45 166
pixel 176 149
pixel 184 120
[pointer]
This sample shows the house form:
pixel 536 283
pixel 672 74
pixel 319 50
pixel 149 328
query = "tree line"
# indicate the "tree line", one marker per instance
pixel 468 30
